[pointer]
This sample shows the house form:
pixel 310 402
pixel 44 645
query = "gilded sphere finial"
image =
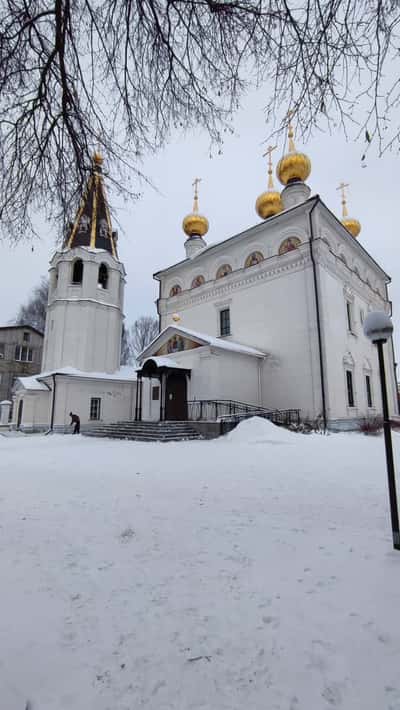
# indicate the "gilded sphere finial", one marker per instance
pixel 294 166
pixel 352 225
pixel 269 202
pixel 176 317
pixel 195 224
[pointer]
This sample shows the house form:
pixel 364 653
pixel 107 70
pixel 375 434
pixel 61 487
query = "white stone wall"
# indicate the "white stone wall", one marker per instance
pixel 36 410
pixel 84 321
pixel 74 395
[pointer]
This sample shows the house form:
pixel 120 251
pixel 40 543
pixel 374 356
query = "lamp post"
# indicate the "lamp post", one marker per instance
pixel 378 328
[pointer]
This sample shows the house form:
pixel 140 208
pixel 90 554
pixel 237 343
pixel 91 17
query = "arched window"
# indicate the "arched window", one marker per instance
pixel 175 290
pixel 254 258
pixel 198 281
pixel 103 276
pixel 289 245
pixel 77 271
pixel 224 270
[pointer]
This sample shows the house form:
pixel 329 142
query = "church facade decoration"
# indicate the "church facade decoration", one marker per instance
pixel 289 244
pixel 198 281
pixel 175 290
pixel 223 270
pixel 256 257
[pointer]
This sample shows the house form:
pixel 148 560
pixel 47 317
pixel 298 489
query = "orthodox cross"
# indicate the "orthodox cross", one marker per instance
pixel 269 153
pixel 195 184
pixel 342 188
pixel 292 146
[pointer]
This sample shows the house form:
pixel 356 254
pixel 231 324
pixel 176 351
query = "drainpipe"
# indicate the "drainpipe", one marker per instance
pixel 318 315
pixel 53 403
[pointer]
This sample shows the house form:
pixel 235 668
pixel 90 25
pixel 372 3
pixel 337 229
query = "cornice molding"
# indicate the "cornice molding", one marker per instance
pixel 268 269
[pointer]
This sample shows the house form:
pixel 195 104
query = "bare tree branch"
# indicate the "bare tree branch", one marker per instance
pixel 122 74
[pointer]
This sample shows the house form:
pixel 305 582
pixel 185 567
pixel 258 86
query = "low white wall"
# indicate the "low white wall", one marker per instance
pixel 74 394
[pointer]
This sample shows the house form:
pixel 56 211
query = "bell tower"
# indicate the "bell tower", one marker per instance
pixel 86 289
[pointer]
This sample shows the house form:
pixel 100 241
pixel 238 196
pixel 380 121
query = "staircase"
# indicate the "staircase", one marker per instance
pixel 144 431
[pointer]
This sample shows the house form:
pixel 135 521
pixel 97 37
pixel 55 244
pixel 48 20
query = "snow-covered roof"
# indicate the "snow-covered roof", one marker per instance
pixel 125 374
pixel 32 383
pixel 164 361
pixel 204 339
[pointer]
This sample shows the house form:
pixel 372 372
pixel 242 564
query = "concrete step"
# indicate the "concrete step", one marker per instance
pixel 144 431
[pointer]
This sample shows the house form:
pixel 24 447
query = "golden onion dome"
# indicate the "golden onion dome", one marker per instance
pixel 352 225
pixel 269 202
pixel 195 224
pixel 293 166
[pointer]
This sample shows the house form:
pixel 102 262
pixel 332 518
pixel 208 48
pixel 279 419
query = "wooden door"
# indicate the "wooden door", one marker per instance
pixel 176 397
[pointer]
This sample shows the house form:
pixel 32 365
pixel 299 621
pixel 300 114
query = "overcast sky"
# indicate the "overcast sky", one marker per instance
pixel 231 182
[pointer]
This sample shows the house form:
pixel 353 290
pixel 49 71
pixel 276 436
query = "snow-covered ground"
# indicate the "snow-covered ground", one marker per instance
pixel 254 572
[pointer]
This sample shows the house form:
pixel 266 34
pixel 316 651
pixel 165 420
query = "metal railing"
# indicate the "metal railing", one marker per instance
pixel 230 412
pixel 216 409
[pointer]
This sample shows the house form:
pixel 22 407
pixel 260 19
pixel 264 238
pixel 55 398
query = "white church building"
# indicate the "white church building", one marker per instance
pixel 271 318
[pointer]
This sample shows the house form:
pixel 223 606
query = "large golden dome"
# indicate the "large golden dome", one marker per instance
pixel 195 224
pixel 293 166
pixel 352 225
pixel 269 202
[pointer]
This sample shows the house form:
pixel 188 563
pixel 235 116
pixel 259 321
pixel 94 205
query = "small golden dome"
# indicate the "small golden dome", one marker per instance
pixel 176 317
pixel 352 225
pixel 269 202
pixel 195 224
pixel 293 166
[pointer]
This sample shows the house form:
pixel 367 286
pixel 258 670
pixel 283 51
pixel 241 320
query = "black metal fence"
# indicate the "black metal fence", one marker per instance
pixel 230 412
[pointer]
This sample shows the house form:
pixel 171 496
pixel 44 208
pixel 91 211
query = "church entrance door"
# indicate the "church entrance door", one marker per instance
pixel 19 418
pixel 176 397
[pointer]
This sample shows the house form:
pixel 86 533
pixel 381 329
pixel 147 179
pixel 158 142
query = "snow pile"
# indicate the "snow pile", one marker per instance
pixel 261 431
pixel 204 575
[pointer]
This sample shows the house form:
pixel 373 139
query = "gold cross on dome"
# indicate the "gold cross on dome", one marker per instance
pixel 292 146
pixel 269 153
pixel 195 184
pixel 342 187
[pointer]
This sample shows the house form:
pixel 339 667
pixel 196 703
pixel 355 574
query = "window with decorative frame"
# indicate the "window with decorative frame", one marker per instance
pixel 224 322
pixel 95 406
pixel 350 388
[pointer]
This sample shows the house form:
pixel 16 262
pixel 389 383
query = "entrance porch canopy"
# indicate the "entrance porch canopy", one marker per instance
pixel 158 368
